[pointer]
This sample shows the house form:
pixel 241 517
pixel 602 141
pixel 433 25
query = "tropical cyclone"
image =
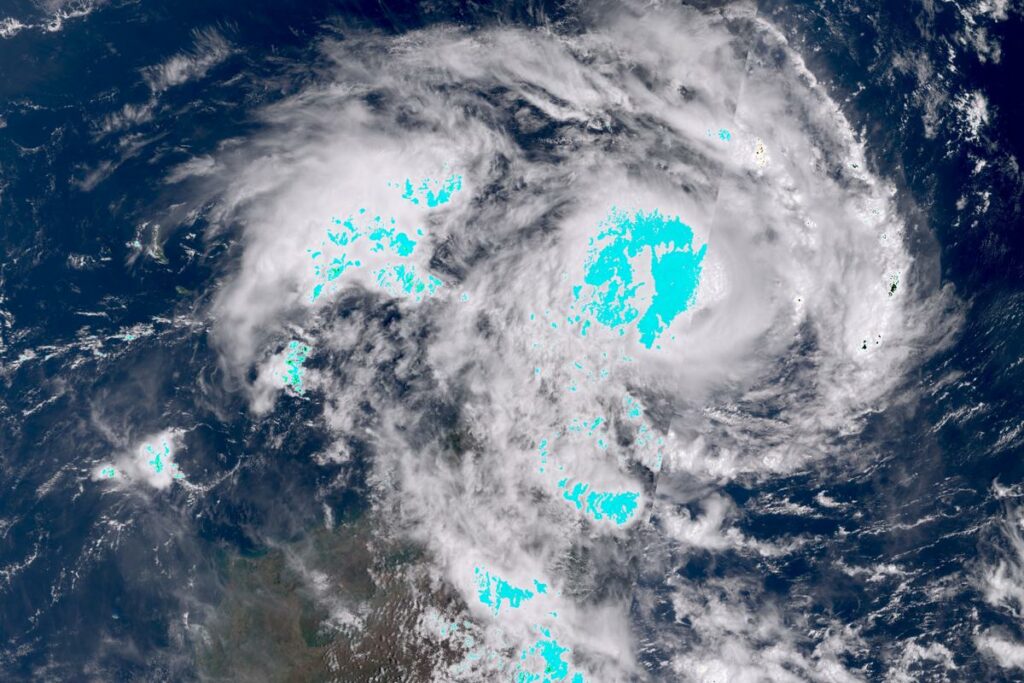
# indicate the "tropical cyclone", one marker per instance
pixel 664 266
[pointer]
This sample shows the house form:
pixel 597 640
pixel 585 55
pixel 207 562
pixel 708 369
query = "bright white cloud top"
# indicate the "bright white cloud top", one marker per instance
pixel 151 462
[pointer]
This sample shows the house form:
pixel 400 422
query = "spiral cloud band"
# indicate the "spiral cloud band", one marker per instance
pixel 566 289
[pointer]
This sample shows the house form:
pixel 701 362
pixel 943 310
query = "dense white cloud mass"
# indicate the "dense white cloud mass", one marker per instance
pixel 487 406
pixel 150 461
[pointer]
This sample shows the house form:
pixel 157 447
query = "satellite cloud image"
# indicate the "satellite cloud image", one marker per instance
pixel 569 341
